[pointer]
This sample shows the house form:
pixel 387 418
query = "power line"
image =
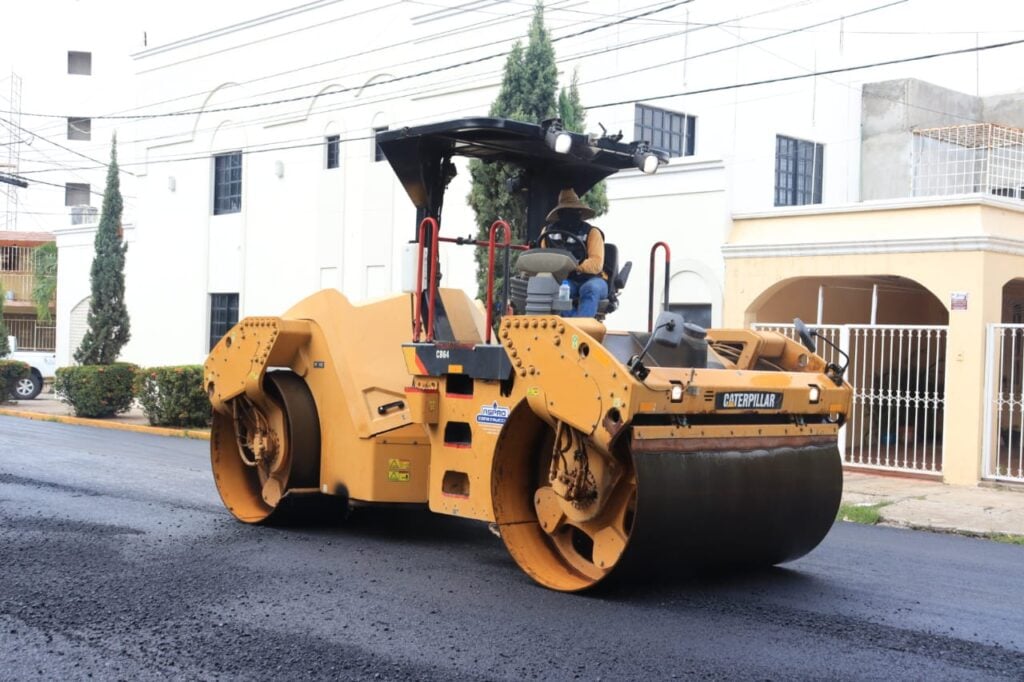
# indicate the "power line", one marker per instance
pixel 826 72
pixel 747 43
pixel 781 79
pixel 434 86
pixel 55 144
pixel 395 79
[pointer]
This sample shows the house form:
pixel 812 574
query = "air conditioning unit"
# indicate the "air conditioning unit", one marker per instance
pixel 84 215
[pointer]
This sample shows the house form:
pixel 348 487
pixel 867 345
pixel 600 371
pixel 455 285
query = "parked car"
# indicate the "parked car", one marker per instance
pixel 43 366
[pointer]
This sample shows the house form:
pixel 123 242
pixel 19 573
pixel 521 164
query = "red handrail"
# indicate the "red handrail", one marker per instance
pixel 432 285
pixel 507 231
pixel 650 291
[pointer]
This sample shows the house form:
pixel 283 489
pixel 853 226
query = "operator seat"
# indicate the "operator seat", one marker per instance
pixel 616 280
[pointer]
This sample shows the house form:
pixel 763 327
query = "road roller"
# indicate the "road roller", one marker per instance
pixel 594 453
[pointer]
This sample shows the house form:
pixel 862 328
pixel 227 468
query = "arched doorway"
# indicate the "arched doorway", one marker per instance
pixel 78 324
pixel 891 332
pixel 1004 451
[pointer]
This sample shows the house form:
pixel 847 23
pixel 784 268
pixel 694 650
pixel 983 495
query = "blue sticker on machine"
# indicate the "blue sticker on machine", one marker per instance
pixel 493 414
pixel 748 400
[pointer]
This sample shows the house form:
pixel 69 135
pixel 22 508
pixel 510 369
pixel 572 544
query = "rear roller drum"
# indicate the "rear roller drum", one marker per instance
pixel 264 449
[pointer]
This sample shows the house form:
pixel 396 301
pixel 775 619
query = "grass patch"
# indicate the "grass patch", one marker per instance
pixel 1006 538
pixel 867 514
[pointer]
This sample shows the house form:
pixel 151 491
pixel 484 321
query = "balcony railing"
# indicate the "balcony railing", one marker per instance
pixel 18 259
pixel 32 335
pixel 969 159
pixel 16 286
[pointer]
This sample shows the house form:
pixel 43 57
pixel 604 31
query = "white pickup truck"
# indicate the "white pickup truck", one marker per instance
pixel 43 366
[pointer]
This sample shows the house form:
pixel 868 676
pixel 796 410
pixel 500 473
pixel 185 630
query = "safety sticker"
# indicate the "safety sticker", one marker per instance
pixel 398 470
pixel 492 415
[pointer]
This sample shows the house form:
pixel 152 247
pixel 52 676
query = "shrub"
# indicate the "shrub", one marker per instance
pixel 11 372
pixel 173 396
pixel 96 390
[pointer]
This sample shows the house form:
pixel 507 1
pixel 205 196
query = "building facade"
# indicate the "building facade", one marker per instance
pixel 259 182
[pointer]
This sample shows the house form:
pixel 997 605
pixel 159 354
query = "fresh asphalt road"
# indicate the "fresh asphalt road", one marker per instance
pixel 117 561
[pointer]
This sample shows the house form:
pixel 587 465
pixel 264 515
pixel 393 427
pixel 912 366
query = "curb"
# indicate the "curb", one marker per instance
pixel 196 434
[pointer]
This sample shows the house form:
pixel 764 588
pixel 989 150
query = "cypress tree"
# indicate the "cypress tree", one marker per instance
pixel 529 92
pixel 108 324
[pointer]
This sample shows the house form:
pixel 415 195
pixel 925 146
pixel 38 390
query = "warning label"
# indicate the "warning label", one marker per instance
pixel 399 470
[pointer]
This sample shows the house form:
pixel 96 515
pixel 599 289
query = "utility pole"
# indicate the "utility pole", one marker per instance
pixel 10 184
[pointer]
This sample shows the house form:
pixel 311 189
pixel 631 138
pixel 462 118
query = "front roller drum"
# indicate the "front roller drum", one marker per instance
pixel 659 513
pixel 261 451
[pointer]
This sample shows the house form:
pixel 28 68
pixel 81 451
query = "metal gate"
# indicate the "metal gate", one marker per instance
pixel 898 376
pixel 1003 446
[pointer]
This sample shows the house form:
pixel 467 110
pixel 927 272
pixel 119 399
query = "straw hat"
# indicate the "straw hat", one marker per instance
pixel 567 199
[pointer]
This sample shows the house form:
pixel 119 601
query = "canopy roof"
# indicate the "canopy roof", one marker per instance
pixel 420 157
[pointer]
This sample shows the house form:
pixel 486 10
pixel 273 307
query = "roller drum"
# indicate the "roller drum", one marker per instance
pixel 710 508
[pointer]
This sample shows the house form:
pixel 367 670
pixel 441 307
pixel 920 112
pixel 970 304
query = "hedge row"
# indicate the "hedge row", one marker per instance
pixel 173 396
pixel 170 396
pixel 11 372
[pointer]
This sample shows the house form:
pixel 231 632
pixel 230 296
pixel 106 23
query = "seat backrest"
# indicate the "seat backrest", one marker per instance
pixel 611 263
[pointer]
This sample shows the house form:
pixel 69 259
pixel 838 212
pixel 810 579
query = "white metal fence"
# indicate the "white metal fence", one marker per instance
pixel 1003 450
pixel 32 335
pixel 898 376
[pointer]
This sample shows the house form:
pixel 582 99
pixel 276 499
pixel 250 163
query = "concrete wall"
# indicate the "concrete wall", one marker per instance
pixel 890 111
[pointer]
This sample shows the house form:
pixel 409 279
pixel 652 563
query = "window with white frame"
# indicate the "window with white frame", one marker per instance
pixel 798 171
pixel 80 63
pixel 227 183
pixel 79 128
pixel 669 131
pixel 378 153
pixel 223 316
pixel 333 151
pixel 76 194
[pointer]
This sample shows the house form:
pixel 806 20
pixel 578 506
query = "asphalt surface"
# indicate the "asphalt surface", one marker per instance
pixel 117 561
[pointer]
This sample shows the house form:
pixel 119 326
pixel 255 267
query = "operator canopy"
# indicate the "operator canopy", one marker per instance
pixel 550 158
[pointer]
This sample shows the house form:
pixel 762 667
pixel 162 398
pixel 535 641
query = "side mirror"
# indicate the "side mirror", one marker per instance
pixel 669 329
pixel 805 334
pixel 623 276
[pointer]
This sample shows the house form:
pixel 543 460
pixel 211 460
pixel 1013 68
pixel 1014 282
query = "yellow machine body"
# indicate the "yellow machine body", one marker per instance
pixel 397 422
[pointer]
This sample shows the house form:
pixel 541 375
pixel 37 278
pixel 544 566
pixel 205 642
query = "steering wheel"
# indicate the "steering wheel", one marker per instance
pixel 567 237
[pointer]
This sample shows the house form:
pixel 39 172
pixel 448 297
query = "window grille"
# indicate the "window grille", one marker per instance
pixel 333 151
pixel 669 131
pixel 798 171
pixel 223 316
pixel 227 183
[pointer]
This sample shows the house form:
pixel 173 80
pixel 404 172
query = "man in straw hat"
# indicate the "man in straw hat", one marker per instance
pixel 586 243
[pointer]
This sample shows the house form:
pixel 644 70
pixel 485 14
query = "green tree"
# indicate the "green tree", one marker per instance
pixel 529 92
pixel 108 326
pixel 5 347
pixel 44 279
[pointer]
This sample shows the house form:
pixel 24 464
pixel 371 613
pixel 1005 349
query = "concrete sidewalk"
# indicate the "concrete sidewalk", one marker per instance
pixel 46 406
pixel 906 502
pixel 932 505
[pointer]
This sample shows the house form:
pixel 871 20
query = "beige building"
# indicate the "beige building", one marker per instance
pixel 923 295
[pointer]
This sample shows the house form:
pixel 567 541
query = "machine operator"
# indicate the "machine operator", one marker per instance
pixel 586 243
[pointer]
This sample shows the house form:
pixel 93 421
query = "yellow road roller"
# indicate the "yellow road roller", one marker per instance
pixel 596 453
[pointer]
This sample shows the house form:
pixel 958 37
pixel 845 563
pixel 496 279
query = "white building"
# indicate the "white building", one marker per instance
pixel 68 61
pixel 256 169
